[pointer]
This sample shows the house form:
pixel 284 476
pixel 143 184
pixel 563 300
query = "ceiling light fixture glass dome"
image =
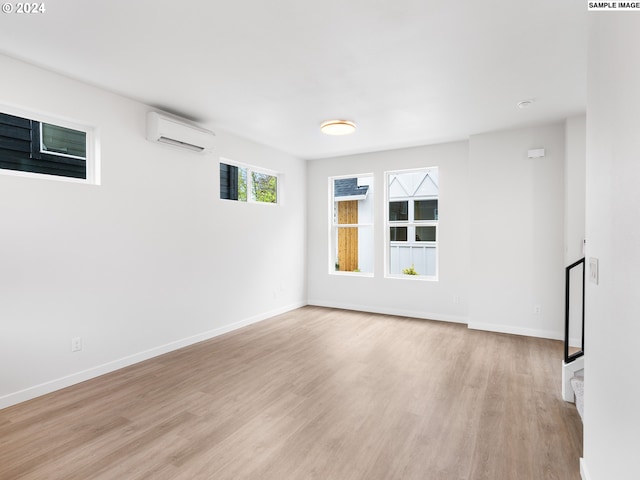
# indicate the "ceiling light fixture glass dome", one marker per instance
pixel 338 127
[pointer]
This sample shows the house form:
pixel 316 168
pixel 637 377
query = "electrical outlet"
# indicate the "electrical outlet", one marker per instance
pixel 456 299
pixel 537 309
pixel 76 344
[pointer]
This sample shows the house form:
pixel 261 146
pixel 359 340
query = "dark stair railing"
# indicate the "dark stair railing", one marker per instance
pixel 570 358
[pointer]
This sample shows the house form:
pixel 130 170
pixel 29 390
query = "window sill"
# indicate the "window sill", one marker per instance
pixel 351 274
pixel 44 176
pixel 413 278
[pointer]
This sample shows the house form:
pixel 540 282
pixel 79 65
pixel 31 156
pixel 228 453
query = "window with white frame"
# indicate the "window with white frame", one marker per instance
pixel 351 224
pixel 412 223
pixel 31 146
pixel 248 184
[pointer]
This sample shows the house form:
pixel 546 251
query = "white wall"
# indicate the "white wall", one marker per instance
pixel 574 184
pixel 612 416
pixel 575 163
pixel 517 232
pixel 148 261
pixel 424 299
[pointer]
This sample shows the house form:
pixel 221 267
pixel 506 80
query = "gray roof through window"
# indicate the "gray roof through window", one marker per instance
pixel 348 187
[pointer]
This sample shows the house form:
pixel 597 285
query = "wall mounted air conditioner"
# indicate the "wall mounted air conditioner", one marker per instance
pixel 171 131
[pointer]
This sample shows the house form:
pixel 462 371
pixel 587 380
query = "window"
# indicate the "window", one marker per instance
pixel 56 140
pixel 412 223
pixel 36 147
pixel 351 207
pixel 247 184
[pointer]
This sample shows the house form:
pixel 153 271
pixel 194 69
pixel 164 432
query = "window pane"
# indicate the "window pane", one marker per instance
pixel 426 234
pixel 398 234
pixel 21 150
pixel 347 254
pixel 347 212
pixel 242 184
pixel 265 187
pixel 351 188
pixel 398 211
pixel 425 209
pixel 354 249
pixel 405 255
pixel 233 182
pixel 412 222
pixel 352 246
pixel 57 139
pixel 228 182
pixel 350 198
pixel 246 185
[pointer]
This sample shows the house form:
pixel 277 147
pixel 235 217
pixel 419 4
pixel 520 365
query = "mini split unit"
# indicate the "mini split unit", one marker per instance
pixel 178 133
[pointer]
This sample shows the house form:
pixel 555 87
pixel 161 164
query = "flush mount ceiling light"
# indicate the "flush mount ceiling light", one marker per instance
pixel 337 127
pixel 525 103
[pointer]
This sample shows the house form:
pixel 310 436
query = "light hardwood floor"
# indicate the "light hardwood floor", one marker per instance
pixel 312 394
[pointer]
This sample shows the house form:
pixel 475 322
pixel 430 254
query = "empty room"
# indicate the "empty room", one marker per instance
pixel 334 240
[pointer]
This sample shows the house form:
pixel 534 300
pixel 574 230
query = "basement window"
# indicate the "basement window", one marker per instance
pixel 244 183
pixel 36 147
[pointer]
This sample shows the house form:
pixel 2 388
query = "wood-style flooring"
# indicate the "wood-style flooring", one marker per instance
pixel 312 394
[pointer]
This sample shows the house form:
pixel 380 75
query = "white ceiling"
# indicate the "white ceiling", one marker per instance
pixel 408 72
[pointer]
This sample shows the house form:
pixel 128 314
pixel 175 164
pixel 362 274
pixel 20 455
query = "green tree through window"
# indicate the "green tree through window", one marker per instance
pixel 265 187
pixel 245 184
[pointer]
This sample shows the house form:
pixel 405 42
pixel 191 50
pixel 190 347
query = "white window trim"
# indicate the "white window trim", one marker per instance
pixel 93 144
pixel 253 168
pixel 401 223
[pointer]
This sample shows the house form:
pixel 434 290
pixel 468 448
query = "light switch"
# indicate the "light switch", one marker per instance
pixel 593 270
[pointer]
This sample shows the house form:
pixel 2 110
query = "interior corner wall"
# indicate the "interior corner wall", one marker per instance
pixel 517 231
pixel 445 299
pixel 612 330
pixel 146 262
pixel 574 185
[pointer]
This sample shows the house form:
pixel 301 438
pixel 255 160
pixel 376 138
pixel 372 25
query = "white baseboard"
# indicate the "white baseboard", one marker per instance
pixel 584 473
pixel 66 381
pixel 489 327
pixel 390 311
pixel 528 332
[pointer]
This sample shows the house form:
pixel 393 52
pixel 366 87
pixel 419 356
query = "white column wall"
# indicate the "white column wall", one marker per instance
pixel 612 416
pixel 574 184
